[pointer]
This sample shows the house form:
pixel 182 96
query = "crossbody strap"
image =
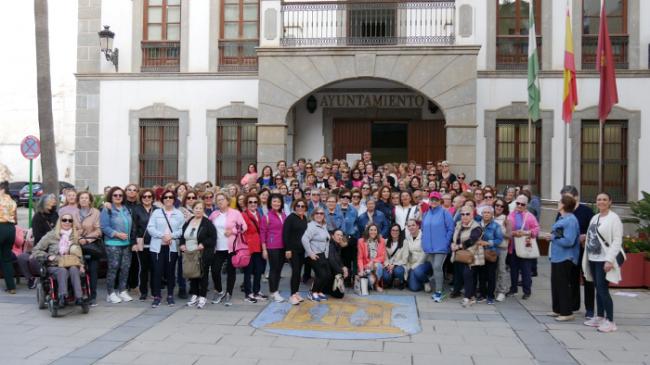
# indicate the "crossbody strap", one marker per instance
pixel 598 232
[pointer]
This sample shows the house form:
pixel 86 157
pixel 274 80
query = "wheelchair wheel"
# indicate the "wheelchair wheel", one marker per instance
pixel 53 307
pixel 40 296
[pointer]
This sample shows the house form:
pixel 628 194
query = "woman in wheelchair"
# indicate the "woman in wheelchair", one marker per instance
pixel 61 253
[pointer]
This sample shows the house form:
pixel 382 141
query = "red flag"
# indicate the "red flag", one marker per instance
pixel 607 68
pixel 570 96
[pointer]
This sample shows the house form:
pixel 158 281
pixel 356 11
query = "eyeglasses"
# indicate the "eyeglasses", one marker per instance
pixel 191 198
pixel 365 188
pixel 208 197
pixel 147 196
pixel 301 206
pixel 521 204
pixel 252 202
pixel 356 197
pixel 465 214
pixel 319 213
pixel 66 220
pixel 117 195
pixel 170 197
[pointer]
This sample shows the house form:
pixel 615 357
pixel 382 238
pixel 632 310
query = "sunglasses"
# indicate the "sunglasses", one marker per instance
pixel 320 213
pixel 117 195
pixel 147 196
pixel 170 197
pixel 131 190
pixel 465 214
pixel 252 202
pixel 191 198
pixel 521 204
pixel 461 177
pixel 489 197
pixel 208 197
pixel 365 188
pixel 499 205
pixel 66 220
pixel 301 206
pixel 345 197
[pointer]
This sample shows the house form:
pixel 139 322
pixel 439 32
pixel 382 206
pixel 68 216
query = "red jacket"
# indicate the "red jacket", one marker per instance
pixel 363 260
pixel 252 234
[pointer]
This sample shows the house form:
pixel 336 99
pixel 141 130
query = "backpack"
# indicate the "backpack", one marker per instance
pixel 241 254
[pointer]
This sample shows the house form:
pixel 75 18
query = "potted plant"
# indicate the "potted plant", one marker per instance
pixel 633 270
pixel 647 269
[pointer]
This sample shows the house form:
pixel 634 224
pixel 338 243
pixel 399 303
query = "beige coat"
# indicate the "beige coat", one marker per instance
pixel 49 246
pixel 416 256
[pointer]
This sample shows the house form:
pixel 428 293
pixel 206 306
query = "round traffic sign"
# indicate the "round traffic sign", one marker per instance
pixel 30 147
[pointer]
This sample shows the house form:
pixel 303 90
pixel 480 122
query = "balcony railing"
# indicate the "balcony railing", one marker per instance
pixel 161 56
pixel 512 52
pixel 590 47
pixel 357 23
pixel 238 55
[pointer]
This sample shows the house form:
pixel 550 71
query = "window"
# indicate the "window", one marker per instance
pixel 161 46
pixel 236 148
pixel 614 159
pixel 158 151
pixel 512 33
pixel 239 35
pixel 374 24
pixel 616 24
pixel 512 154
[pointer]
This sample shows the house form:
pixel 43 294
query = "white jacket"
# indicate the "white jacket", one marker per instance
pixel 612 231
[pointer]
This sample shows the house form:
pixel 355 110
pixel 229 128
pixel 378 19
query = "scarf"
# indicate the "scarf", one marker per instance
pixel 64 242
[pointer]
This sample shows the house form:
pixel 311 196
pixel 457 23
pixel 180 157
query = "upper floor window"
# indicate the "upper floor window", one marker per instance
pixel 512 33
pixel 512 154
pixel 616 24
pixel 161 46
pixel 158 151
pixel 239 35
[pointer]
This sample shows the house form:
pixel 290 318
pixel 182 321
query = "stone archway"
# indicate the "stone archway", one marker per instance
pixel 446 75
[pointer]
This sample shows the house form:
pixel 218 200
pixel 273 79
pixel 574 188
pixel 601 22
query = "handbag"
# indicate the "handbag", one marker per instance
pixel 241 254
pixel 95 249
pixel 69 261
pixel 526 250
pixel 490 255
pixel 463 257
pixel 192 264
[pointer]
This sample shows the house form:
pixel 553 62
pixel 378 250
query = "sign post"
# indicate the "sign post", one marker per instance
pixel 30 147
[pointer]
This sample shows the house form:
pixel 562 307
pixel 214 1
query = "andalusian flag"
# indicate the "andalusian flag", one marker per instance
pixel 533 67
pixel 570 96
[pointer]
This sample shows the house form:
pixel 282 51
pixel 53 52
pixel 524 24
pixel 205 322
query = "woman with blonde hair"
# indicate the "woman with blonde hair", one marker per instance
pixel 59 243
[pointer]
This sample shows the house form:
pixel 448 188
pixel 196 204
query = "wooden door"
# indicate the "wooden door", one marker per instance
pixel 350 136
pixel 427 140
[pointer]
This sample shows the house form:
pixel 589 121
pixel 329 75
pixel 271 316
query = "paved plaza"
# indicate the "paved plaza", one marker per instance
pixel 513 332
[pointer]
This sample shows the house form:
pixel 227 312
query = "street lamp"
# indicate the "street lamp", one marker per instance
pixel 106 46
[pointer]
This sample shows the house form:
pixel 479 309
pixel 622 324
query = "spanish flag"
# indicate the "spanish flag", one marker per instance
pixel 570 96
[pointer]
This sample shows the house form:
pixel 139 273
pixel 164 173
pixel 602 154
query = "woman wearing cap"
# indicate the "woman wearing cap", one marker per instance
pixel 437 231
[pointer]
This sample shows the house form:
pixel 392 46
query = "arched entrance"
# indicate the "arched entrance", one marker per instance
pixel 342 119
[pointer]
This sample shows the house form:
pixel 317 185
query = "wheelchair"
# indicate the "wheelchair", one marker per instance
pixel 47 293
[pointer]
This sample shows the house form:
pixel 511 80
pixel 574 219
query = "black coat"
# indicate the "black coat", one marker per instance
pixel 206 235
pixel 140 220
pixel 292 232
pixel 43 223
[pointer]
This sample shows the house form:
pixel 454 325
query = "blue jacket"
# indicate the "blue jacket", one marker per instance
pixel 566 239
pixel 350 221
pixel 158 226
pixel 379 219
pixel 334 220
pixel 437 230
pixel 310 207
pixel 119 220
pixel 492 234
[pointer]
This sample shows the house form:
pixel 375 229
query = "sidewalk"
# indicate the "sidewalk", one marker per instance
pixel 513 332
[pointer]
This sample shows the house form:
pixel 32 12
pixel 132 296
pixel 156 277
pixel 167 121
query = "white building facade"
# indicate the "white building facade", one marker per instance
pixel 206 86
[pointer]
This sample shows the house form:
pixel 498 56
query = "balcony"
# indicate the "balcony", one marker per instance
pixel 161 56
pixel 238 55
pixel 353 23
pixel 590 49
pixel 512 52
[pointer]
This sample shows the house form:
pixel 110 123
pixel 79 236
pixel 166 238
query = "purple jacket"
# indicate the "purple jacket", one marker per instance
pixel 271 230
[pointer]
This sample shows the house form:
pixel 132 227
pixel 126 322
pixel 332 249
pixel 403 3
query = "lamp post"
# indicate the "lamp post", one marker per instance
pixel 106 45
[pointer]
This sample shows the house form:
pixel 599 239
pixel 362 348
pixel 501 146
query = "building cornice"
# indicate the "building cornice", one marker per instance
pixel 384 50
pixel 554 74
pixel 168 76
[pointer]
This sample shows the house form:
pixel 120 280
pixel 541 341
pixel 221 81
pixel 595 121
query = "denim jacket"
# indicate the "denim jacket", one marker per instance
pixel 350 221
pixel 334 220
pixel 492 234
pixel 113 221
pixel 157 227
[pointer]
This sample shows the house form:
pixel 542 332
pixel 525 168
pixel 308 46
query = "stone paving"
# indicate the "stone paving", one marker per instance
pixel 513 332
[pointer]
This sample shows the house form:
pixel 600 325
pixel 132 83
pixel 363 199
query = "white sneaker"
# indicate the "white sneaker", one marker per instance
pixel 277 297
pixel 113 298
pixel 427 288
pixel 594 322
pixel 501 297
pixel 193 300
pixel 201 303
pixel 468 302
pixel 607 326
pixel 125 296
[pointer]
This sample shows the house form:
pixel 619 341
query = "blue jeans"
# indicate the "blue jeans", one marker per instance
pixel 524 266
pixel 255 269
pixel 419 276
pixel 604 303
pixel 397 273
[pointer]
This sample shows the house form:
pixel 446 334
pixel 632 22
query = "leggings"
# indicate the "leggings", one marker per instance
pixel 604 303
pixel 119 259
pixel 276 261
pixel 7 238
pixel 297 262
pixel 217 263
pixel 437 280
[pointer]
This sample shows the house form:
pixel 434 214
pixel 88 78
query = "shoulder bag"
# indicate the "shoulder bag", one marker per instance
pixel 620 257
pixel 526 250
pixel 192 264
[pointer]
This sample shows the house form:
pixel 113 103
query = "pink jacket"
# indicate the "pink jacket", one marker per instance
pixel 530 224
pixel 271 230
pixel 246 179
pixel 234 219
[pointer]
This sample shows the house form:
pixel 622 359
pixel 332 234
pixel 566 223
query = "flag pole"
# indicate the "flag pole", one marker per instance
pixel 566 142
pixel 601 122
pixel 530 127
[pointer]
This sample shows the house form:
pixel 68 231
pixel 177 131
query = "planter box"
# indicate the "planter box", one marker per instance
pixel 647 274
pixel 633 272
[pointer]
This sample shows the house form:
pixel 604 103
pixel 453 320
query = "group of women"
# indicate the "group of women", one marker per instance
pixel 396 226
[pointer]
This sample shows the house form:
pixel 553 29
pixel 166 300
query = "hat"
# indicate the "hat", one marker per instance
pixel 435 195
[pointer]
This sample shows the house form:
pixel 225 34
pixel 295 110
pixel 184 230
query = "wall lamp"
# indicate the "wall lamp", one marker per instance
pixel 106 45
